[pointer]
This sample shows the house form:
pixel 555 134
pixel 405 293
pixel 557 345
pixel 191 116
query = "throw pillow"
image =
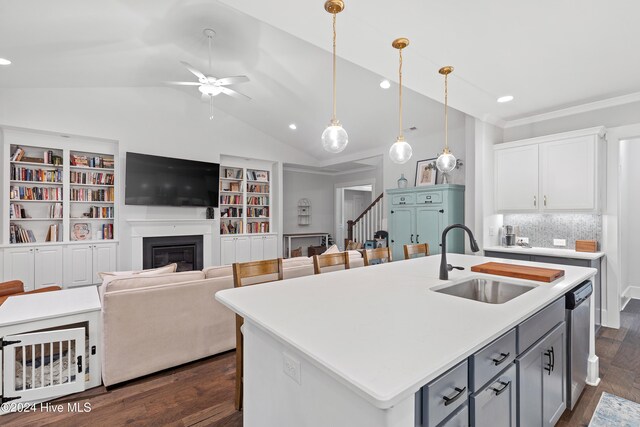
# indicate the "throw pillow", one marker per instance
pixel 170 268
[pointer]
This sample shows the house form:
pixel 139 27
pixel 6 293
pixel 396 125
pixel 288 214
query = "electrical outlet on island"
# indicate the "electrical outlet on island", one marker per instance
pixel 559 242
pixel 291 367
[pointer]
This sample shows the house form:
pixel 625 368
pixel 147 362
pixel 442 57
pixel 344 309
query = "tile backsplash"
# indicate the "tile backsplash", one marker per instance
pixel 541 229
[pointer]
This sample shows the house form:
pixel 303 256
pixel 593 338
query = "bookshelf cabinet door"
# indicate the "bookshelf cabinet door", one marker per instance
pixel 270 247
pixel 243 249
pixel 104 259
pixel 79 265
pixel 48 266
pixel 227 250
pixel 257 248
pixel 18 265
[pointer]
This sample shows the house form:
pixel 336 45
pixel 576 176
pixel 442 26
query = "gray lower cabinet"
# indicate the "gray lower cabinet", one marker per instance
pixel 495 405
pixel 459 419
pixel 541 380
pixel 592 263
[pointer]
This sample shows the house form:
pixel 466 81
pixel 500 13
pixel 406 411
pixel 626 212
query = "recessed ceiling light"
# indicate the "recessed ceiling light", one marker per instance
pixel 385 84
pixel 4 61
pixel 506 98
pixel 293 126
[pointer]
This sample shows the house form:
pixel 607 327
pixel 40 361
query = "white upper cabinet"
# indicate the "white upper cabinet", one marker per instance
pixel 517 179
pixel 569 174
pixel 555 173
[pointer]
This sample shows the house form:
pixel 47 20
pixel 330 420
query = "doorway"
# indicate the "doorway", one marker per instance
pixel 629 225
pixel 351 201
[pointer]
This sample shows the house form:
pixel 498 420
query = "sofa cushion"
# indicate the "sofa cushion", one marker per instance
pixel 333 249
pixel 169 268
pixel 218 271
pixel 143 281
pixel 296 262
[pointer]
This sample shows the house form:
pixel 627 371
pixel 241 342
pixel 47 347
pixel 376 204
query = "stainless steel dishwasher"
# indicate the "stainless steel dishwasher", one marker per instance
pixel 578 308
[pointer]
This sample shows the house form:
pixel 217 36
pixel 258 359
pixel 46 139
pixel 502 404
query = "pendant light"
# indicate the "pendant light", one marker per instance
pixel 334 137
pixel 400 152
pixel 446 162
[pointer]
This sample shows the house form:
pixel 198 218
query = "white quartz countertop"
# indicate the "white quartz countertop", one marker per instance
pixel 563 253
pixel 380 330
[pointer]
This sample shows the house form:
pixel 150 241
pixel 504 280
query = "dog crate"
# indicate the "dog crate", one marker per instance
pixel 43 365
pixel 49 346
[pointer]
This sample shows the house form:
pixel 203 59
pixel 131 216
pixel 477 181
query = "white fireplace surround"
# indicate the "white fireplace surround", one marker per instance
pixel 141 228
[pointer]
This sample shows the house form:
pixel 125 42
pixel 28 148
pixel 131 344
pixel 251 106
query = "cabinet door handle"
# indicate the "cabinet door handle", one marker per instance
pixel 505 386
pixel 417 238
pixel 549 366
pixel 500 361
pixel 553 359
pixel 448 400
pixel 545 200
pixel 411 237
pixel 441 211
pixel 535 201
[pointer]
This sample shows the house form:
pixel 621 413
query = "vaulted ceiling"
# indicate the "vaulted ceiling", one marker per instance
pixel 547 54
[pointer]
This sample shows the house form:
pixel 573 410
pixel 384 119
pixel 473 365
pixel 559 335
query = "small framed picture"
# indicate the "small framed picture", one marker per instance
pixel 426 172
pixel 81 231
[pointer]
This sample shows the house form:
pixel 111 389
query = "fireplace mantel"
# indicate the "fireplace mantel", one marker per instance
pixel 159 227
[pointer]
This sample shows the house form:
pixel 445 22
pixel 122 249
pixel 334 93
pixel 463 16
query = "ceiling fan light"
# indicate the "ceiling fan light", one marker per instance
pixel 334 138
pixel 210 90
pixel 400 152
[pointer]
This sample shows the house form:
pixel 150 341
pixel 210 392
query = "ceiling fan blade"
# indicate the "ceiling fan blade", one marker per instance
pixel 195 72
pixel 184 83
pixel 232 80
pixel 233 93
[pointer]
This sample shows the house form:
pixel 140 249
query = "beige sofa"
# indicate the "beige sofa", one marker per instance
pixel 155 322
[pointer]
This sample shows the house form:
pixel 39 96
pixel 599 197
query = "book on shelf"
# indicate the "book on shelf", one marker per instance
pixel 17 192
pixel 55 211
pixel 90 195
pixel 231 227
pixel 53 233
pixel 19 234
pixel 105 232
pixel 262 212
pixel 232 173
pixel 257 200
pixel 231 199
pixel 230 212
pixel 17 211
pixel 257 175
pixel 19 173
pixel 258 227
pixel 17 155
pixel 96 178
pixel 91 161
pixel 258 188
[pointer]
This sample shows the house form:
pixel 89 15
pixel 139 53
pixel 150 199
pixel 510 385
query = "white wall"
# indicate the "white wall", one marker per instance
pixel 161 121
pixel 629 208
pixel 358 200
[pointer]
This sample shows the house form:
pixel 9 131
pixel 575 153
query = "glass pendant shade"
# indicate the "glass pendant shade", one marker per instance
pixel 334 138
pixel 400 152
pixel 446 162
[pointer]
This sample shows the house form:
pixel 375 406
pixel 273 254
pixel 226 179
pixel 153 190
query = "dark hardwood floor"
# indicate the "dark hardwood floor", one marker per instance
pixel 201 393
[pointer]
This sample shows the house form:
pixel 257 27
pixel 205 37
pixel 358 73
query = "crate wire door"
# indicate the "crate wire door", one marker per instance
pixel 43 365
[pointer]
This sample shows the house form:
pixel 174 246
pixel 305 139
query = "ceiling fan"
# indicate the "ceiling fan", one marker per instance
pixel 211 86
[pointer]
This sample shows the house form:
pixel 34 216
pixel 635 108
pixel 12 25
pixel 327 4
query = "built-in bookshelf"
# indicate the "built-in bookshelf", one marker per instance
pixel 245 200
pixel 55 193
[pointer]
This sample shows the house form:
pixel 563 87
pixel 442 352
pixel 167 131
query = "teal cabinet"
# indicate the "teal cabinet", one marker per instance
pixel 419 215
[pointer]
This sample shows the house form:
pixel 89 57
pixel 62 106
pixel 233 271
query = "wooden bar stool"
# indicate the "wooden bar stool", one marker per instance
pixel 416 249
pixel 329 260
pixel 250 270
pixel 382 254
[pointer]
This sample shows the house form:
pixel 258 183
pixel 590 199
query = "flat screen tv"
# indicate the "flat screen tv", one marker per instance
pixel 163 181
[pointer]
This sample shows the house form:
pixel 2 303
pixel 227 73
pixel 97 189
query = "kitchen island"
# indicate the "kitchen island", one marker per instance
pixel 352 348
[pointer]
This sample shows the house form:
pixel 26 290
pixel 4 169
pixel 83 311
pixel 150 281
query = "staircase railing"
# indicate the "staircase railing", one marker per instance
pixel 364 226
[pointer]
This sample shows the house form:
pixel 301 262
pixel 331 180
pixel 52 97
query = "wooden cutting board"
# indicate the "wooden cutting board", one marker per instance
pixel 547 275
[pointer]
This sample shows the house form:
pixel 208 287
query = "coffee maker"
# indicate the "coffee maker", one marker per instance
pixel 508 235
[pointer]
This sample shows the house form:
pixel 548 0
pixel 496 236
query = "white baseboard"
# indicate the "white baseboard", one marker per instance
pixel 632 292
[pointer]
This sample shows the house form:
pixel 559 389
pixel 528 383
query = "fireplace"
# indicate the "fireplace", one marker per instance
pixel 186 251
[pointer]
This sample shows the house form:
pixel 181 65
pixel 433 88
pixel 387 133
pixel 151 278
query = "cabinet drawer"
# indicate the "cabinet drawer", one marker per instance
pixel 459 419
pixel 445 394
pixel 492 359
pixel 532 329
pixel 431 198
pixel 495 405
pixel 403 199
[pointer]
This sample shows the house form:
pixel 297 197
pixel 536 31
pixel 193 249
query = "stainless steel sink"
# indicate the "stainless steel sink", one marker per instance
pixel 486 290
